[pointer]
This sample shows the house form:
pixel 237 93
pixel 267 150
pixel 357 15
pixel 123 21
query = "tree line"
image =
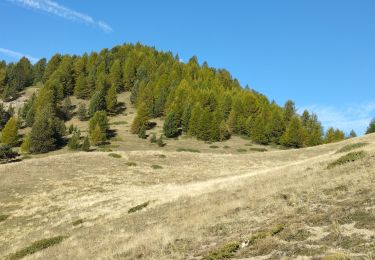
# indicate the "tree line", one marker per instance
pixel 194 98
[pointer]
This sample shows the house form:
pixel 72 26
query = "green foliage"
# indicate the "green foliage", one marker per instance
pixel 131 164
pixel 156 167
pixel 97 136
pixel 371 127
pixel 170 127
pixel 160 141
pixel 350 157
pixel 226 251
pixel 99 118
pixel 97 102
pixel 352 134
pixel 138 207
pixel 5 115
pixel 38 70
pixel 111 99
pixel 82 89
pixel 36 247
pixel 6 153
pixel 74 141
pixel 25 146
pixel 141 119
pixel 86 144
pixel 153 138
pixel 47 132
pixel 294 135
pixel 333 136
pixel 82 112
pixel 9 135
pixel 115 75
pixel 142 132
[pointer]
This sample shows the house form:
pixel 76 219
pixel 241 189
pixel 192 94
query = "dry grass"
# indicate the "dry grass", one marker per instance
pixel 216 203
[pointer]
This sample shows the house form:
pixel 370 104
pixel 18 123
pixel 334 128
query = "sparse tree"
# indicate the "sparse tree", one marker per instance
pixel 352 134
pixel 371 127
pixel 82 112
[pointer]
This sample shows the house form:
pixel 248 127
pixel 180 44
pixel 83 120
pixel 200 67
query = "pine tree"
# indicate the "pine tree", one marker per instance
pixel 259 130
pixel 97 135
pixel 115 75
pixel 9 135
pixel 111 99
pixel 141 119
pixel 294 135
pixel 99 118
pixel 185 119
pixel 86 144
pixel 97 102
pixel 330 136
pixel 74 141
pixel 66 107
pixel 289 110
pixel 81 89
pixel 223 131
pixel 38 70
pixel 170 126
pixel 352 134
pixel 47 132
pixel 371 127
pixel 82 112
pixel 275 127
pixel 25 147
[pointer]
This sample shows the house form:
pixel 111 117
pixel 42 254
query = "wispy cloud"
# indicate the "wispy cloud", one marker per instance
pixel 355 117
pixel 62 11
pixel 17 55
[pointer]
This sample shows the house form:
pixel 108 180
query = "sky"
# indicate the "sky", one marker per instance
pixel 319 53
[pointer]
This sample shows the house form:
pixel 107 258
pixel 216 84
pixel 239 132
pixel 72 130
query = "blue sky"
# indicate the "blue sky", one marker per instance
pixel 319 53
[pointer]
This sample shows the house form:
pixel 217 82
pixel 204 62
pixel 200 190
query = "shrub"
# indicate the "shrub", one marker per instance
pixel 142 132
pixel 226 251
pixel 160 141
pixel 36 247
pixel 240 150
pixel 155 167
pixel 115 155
pixel 131 164
pixel 82 112
pixel 153 138
pixel 170 126
pixel 138 207
pixel 86 144
pixel 258 149
pixel 214 146
pixel 6 153
pixel 350 147
pixel 3 217
pixel 25 146
pixel 77 222
pixel 350 157
pixel 74 141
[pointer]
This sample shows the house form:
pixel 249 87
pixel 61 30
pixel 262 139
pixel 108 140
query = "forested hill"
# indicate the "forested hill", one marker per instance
pixel 194 98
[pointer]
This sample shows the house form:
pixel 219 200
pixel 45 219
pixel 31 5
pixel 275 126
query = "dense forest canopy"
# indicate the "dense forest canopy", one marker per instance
pixel 195 99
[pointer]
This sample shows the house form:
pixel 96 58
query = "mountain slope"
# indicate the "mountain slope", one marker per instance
pixel 198 203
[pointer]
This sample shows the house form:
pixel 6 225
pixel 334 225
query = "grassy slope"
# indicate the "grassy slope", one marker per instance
pixel 198 202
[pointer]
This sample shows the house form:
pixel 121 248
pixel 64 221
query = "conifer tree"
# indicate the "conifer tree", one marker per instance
pixel 259 130
pixel 294 135
pixel 82 112
pixel 47 132
pixel 81 89
pixel 25 146
pixel 352 134
pixel 371 127
pixel 111 99
pixel 289 110
pixel 170 126
pixel 275 127
pixel 115 75
pixel 99 118
pixel 38 70
pixel 141 119
pixel 97 135
pixel 9 135
pixel 86 144
pixel 74 141
pixel 224 133
pixel 97 102
pixel 185 119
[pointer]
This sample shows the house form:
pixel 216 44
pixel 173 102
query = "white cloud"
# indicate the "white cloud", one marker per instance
pixel 355 117
pixel 17 55
pixel 62 11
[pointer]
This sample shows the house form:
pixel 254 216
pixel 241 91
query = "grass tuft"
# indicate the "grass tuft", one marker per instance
pixel 138 207
pixel 214 146
pixel 77 222
pixel 115 155
pixel 240 150
pixel 258 149
pixel 131 164
pixel 155 167
pixel 350 157
pixel 3 217
pixel 36 247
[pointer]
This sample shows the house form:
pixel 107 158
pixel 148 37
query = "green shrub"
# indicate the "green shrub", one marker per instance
pixel 36 247
pixel 214 146
pixel 3 217
pixel 115 155
pixel 350 157
pixel 77 222
pixel 155 167
pixel 226 251
pixel 349 147
pixel 138 207
pixel 131 164
pixel 188 150
pixel 153 138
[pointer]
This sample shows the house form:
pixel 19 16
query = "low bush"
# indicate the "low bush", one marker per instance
pixel 77 222
pixel 36 247
pixel 115 155
pixel 3 217
pixel 138 207
pixel 350 157
pixel 258 149
pixel 131 164
pixel 226 251
pixel 350 147
pixel 240 150
pixel 214 146
pixel 155 167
